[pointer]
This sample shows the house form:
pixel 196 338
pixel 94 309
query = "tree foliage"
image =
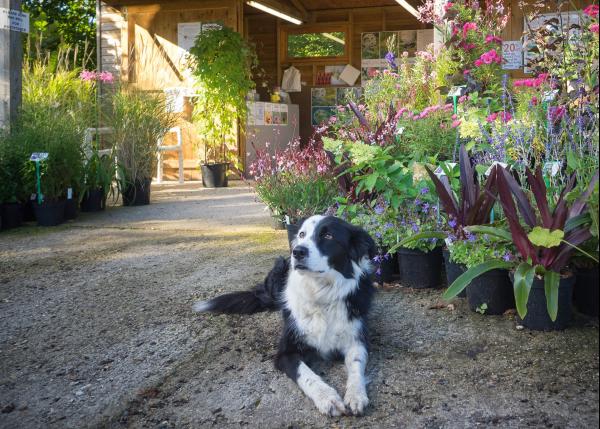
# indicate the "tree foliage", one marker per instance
pixel 62 22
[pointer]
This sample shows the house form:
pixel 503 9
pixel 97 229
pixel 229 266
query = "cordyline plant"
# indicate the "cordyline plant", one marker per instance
pixel 548 246
pixel 473 207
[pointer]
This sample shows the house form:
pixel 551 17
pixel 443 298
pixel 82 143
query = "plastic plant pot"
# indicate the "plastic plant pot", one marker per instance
pixel 420 269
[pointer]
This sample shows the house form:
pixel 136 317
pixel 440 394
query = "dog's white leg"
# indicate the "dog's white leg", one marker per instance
pixel 356 390
pixel 327 400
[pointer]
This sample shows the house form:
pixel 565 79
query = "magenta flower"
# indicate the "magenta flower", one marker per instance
pixel 594 28
pixel 87 75
pixel 591 11
pixel 492 117
pixel 456 123
pixel 490 38
pixel 469 26
pixel 106 77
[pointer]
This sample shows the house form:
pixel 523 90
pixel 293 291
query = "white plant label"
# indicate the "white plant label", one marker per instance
pixel 69 193
pixel 15 20
pixel 39 156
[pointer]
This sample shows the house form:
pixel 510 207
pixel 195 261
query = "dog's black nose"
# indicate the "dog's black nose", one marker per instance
pixel 300 252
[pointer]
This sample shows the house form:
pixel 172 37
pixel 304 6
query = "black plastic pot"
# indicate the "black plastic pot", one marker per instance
pixel 50 213
pixel 585 294
pixel 70 209
pixel 292 230
pixel 28 211
pixel 537 317
pixel 137 194
pixel 214 175
pixel 12 215
pixel 93 201
pixel 493 289
pixel 453 271
pixel 420 269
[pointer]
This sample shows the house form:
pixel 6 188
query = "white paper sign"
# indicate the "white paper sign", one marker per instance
pixel 15 20
pixel 512 54
pixel 187 33
pixel 39 156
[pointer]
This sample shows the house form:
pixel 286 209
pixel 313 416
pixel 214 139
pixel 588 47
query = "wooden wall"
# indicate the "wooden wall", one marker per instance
pixel 266 33
pixel 139 45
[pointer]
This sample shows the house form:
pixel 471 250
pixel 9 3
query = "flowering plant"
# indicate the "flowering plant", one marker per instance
pixel 476 249
pixel 296 182
pixel 418 217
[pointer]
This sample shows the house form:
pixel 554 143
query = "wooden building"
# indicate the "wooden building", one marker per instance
pixel 141 43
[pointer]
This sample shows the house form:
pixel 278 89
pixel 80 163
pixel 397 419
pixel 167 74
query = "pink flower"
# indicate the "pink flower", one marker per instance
pixel 594 28
pixel 556 113
pixel 106 77
pixel 454 116
pixel 534 101
pixel 455 30
pixel 467 46
pixel 456 123
pixel 463 98
pixel 469 26
pixel 489 57
pixel 505 116
pixel 490 38
pixel 448 6
pixel 492 117
pixel 442 126
pixel 466 72
pixel 591 10
pixel 87 75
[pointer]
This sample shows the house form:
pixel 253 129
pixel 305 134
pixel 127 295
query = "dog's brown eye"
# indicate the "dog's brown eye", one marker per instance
pixel 327 236
pixel 301 234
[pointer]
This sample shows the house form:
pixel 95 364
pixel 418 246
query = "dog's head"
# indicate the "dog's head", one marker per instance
pixel 326 243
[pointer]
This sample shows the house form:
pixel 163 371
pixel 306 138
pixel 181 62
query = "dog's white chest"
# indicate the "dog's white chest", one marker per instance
pixel 320 315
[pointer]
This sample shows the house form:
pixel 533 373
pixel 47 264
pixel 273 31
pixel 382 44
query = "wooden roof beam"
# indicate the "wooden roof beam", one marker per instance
pixel 305 13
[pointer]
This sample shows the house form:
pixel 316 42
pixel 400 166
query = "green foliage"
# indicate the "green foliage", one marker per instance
pixel 99 173
pixel 306 45
pixel 55 23
pixel 545 238
pixel 222 63
pixel 139 120
pixel 13 162
pixel 379 222
pixel 480 249
pixel 430 137
pixel 297 197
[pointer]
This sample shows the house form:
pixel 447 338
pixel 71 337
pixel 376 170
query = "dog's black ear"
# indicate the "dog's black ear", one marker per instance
pixel 361 245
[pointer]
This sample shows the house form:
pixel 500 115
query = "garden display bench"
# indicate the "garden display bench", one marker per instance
pixel 173 148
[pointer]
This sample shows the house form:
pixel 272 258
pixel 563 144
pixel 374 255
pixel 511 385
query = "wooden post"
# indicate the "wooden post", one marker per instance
pixel 438 36
pixel 11 68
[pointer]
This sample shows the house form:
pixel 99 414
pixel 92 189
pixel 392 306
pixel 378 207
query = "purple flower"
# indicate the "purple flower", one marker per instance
pixel 391 59
pixel 507 257
pixel 471 237
pixel 424 191
pixel 415 227
pixel 379 210
pixel 425 207
pixel 377 259
pixel 452 223
pixel 387 256
pixel 418 202
pixel 378 234
pixel 378 272
pixel 388 225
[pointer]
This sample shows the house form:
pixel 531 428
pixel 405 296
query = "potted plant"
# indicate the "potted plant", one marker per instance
pixel 139 120
pixel 222 63
pixel 380 222
pixel 545 240
pixel 420 258
pixel 492 290
pixel 295 183
pixel 99 175
pixel 13 160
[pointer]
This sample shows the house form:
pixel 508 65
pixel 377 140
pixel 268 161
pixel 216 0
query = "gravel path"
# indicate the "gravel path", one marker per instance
pixel 96 331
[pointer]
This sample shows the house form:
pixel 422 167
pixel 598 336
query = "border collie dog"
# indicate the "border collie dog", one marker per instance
pixel 324 293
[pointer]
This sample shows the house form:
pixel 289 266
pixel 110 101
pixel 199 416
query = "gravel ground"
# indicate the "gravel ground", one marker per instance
pixel 96 331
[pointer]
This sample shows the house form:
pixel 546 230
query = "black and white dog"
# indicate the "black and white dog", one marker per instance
pixel 324 292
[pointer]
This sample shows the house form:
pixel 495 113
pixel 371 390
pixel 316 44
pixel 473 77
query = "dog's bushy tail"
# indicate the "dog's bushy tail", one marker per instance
pixel 263 297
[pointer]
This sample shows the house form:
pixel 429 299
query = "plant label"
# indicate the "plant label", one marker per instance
pixel 457 91
pixel 39 156
pixel 552 168
pixel 69 193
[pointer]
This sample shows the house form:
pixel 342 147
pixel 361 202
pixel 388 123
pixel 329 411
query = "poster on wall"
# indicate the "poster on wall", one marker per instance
pixel 369 46
pixel 187 33
pixel 376 45
pixel 388 42
pixel 325 101
pixel 551 22
pixel 512 55
pixel 335 71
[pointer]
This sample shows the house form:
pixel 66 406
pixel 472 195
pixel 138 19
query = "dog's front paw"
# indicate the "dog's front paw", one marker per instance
pixel 356 400
pixel 329 402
